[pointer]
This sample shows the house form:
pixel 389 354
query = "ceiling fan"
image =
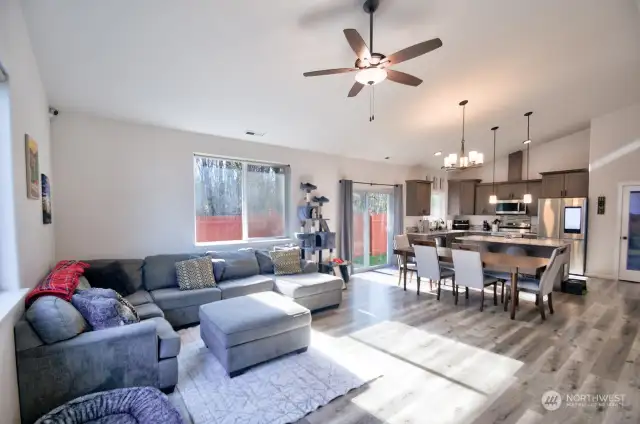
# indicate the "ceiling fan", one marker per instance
pixel 373 68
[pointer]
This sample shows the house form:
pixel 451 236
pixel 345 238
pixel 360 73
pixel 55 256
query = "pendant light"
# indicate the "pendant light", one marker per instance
pixel 493 199
pixel 527 197
pixel 453 162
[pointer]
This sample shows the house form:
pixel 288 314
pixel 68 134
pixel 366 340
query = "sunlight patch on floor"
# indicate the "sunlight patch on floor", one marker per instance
pixel 450 380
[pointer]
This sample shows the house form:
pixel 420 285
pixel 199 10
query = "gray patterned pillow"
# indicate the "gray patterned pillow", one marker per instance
pixel 104 308
pixel 195 274
pixel 286 261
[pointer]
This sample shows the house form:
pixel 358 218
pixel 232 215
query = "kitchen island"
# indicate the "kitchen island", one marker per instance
pixel 514 241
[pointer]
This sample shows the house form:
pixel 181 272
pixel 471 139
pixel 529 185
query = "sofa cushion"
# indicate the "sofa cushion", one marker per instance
pixel 302 285
pixel 111 276
pixel 245 286
pixel 131 267
pixel 149 310
pixel 55 319
pixel 286 261
pixel 159 271
pixel 139 298
pixel 25 336
pixel 194 274
pixel 175 298
pixel 252 317
pixel 168 339
pixel 264 261
pixel 238 264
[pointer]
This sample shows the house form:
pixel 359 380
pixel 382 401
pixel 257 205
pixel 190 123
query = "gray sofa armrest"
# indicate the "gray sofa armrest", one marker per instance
pixel 308 267
pixel 51 375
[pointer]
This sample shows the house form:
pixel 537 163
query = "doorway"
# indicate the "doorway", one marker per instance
pixel 372 223
pixel 629 265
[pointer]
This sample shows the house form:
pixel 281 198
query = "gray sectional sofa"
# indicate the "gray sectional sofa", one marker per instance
pixel 145 354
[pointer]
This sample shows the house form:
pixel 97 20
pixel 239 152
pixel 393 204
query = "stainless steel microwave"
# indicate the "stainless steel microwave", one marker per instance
pixel 511 207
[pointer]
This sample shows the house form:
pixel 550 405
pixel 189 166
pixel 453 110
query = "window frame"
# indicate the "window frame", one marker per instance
pixel 244 202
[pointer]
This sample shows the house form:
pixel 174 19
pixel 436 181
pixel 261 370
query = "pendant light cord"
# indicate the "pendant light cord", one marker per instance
pixel 495 129
pixel 464 107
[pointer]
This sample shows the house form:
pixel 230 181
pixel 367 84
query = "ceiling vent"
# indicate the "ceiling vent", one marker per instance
pixel 254 133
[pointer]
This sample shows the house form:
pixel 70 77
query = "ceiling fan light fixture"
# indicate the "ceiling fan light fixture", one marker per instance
pixel 371 76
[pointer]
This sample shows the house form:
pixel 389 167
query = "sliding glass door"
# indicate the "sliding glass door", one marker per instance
pixel 371 229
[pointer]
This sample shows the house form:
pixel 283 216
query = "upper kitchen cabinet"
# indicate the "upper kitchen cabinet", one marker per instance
pixel 462 197
pixel 573 183
pixel 535 189
pixel 418 198
pixel 483 207
pixel 510 191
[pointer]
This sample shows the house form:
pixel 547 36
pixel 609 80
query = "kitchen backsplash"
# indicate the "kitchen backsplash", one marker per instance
pixel 478 219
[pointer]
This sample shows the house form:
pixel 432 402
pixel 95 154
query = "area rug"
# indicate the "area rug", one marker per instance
pixel 281 391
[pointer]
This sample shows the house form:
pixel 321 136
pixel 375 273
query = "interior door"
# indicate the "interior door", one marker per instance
pixel 629 265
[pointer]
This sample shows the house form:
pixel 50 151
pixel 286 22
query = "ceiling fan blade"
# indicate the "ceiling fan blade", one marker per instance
pixel 329 72
pixel 357 87
pixel 414 51
pixel 402 78
pixel 357 44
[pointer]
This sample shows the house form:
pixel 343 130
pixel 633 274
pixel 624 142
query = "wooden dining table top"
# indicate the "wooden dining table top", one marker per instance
pixel 503 260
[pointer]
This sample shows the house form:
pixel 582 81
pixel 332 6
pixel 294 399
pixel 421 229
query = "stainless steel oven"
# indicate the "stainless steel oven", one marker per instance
pixel 511 207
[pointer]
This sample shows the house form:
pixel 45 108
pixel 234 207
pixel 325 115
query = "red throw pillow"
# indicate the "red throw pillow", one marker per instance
pixel 61 281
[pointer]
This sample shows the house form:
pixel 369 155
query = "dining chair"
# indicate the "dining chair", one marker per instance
pixel 469 273
pixel 419 242
pixel 401 241
pixel 544 286
pixel 503 275
pixel 429 267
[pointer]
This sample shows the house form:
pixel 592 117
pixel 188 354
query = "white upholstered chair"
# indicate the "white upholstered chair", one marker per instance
pixel 401 241
pixel 429 267
pixel 469 273
pixel 544 286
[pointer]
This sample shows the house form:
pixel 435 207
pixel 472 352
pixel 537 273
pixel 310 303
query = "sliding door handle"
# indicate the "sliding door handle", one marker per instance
pixel 624 237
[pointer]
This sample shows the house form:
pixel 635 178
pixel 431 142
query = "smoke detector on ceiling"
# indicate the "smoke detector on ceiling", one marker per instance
pixel 255 133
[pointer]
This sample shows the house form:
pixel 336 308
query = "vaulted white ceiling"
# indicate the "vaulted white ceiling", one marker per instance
pixel 222 67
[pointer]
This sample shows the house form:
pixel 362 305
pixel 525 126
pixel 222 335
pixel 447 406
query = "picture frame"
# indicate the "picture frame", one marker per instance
pixel 32 163
pixel 47 217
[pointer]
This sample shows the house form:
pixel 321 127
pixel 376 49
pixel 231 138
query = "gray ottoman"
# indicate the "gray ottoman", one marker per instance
pixel 245 331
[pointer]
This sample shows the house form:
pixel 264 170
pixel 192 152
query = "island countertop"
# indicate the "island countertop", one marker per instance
pixel 515 240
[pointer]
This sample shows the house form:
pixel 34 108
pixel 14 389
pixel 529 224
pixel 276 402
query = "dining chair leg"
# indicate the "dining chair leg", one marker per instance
pixel 399 276
pixel 506 300
pixel 411 278
pixel 466 292
pixel 518 298
pixel 453 285
pixel 495 294
pixel 455 294
pixel 482 299
pixel 537 300
pixel 550 303
pixel 418 281
pixel 438 296
pixel 541 307
pixel 502 293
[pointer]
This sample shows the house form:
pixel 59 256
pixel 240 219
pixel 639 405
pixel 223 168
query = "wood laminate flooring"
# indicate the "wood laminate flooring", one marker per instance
pixel 442 363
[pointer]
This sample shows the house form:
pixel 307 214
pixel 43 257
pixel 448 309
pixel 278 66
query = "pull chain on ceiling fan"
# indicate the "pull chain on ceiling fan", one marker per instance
pixel 373 68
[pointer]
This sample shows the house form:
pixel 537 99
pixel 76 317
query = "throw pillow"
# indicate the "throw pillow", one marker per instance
pixel 55 319
pixel 265 262
pixel 218 269
pixel 111 276
pixel 195 274
pixel 104 308
pixel 286 261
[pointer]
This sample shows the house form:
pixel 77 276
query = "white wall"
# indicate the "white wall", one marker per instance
pixel 29 115
pixel 126 190
pixel 21 219
pixel 570 152
pixel 614 159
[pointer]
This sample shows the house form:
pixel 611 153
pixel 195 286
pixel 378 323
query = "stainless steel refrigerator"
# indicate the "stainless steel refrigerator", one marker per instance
pixel 566 219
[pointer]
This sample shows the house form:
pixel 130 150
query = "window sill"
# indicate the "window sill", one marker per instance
pixel 9 300
pixel 245 243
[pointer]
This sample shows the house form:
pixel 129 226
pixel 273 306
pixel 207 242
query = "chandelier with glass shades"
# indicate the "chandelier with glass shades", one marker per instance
pixel 453 162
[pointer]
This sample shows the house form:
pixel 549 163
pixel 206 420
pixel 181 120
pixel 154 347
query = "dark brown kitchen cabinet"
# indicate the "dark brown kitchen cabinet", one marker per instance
pixel 510 191
pixel 535 189
pixel 565 184
pixel 462 197
pixel 418 198
pixel 483 207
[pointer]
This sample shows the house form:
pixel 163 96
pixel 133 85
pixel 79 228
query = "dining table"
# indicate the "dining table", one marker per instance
pixel 489 259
